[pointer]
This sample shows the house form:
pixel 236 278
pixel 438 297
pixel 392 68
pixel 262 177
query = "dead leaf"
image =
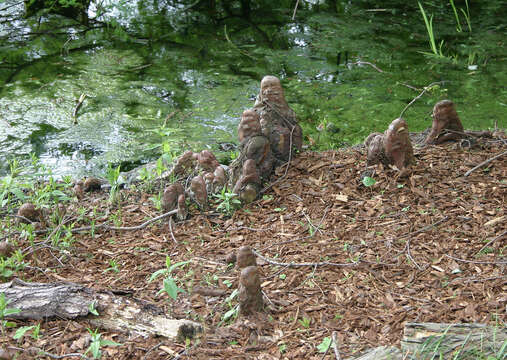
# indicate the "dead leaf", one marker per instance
pixel 342 198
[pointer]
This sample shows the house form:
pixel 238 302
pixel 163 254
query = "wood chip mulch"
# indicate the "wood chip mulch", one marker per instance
pixel 430 247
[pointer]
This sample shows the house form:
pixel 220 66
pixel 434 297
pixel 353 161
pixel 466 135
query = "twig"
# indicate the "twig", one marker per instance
pixel 235 46
pixel 295 9
pixel 171 229
pixel 492 241
pixel 52 356
pixel 475 279
pixel 477 262
pixel 409 86
pixel 427 227
pixel 484 163
pixel 409 255
pixel 334 344
pixel 151 349
pixel 78 105
pixel 359 62
pixel 11 5
pixel 28 221
pixel 406 249
pixel 426 88
pixel 294 265
pixel 315 228
pixel 119 228
pixel 410 297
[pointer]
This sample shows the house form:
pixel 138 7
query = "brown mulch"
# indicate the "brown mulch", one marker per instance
pixel 403 250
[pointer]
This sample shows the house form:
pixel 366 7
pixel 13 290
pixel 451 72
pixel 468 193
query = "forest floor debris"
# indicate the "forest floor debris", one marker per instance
pixel 430 247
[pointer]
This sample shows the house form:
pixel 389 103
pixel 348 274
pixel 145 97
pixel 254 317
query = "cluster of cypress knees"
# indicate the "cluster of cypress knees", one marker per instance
pixel 269 136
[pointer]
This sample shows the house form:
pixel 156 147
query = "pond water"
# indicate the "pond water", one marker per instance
pixel 355 67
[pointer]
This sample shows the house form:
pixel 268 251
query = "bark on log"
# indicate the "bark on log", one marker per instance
pixel 382 353
pixel 424 340
pixel 117 313
pixel 446 338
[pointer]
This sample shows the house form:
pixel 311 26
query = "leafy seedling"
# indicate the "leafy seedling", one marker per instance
pixel 97 343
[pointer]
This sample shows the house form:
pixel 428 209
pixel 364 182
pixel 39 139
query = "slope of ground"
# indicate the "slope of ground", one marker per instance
pixel 338 256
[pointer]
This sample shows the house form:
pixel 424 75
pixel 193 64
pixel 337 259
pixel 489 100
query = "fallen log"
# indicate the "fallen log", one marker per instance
pixel 443 341
pixel 117 313
pixel 382 353
pixel 447 339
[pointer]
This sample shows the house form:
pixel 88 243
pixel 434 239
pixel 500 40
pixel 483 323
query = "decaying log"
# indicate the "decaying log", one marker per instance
pixel 423 340
pixel 117 313
pixel 446 338
pixel 382 353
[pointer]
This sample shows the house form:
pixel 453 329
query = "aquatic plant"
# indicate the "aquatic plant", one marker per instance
pixel 459 28
pixel 431 34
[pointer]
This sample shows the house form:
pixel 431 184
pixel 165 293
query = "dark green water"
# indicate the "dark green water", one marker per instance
pixel 187 84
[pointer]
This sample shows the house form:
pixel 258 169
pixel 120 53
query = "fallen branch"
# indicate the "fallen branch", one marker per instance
pixel 406 249
pixel 477 262
pixel 426 88
pixel 171 230
pixel 492 241
pixel 359 62
pixel 485 163
pixel 427 227
pixel 334 344
pixel 118 228
pixel 294 265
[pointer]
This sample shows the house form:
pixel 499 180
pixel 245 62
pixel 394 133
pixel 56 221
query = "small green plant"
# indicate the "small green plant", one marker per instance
pixel 169 284
pixel 97 343
pixel 113 266
pixel 92 309
pixel 4 312
pixel 12 264
pixel 115 180
pixel 157 200
pixel 305 322
pixel 20 332
pixel 160 168
pixel 229 201
pixel 369 181
pixel 233 311
pixel 324 345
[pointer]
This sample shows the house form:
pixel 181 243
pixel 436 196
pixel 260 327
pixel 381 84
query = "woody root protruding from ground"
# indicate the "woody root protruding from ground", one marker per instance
pixel 394 148
pixel 391 148
pixel 269 136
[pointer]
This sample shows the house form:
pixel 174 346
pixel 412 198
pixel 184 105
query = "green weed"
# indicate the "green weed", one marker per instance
pixel 97 343
pixel 169 284
pixel 229 201
pixel 5 312
pixel 429 28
